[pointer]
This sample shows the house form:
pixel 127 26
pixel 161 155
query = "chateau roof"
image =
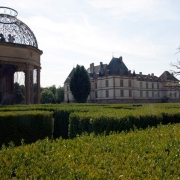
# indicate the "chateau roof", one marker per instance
pixel 167 76
pixel 115 65
pixel 70 75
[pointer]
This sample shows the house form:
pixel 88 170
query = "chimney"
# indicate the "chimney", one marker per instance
pixel 120 58
pixel 140 73
pixel 152 74
pixel 101 63
pixel 92 67
pixel 106 72
pixel 129 72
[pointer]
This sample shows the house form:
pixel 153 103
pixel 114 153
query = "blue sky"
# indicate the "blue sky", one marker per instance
pixel 146 33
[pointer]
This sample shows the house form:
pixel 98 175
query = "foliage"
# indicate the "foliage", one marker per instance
pixel 106 121
pixel 47 96
pixel 53 89
pixel 75 119
pixel 80 85
pixel 146 154
pixel 26 125
pixel 58 94
pixel 19 93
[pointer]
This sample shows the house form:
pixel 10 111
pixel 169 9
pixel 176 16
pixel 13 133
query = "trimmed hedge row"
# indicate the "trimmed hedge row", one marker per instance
pixel 149 154
pixel 73 119
pixel 60 115
pixel 30 126
pixel 107 121
pixel 60 123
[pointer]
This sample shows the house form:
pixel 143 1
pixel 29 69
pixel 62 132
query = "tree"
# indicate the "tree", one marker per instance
pixel 47 96
pixel 19 93
pixel 177 66
pixel 53 89
pixel 80 85
pixel 60 94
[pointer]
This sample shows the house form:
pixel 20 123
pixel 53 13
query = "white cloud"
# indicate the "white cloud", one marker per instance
pixel 84 39
pixel 79 33
pixel 135 9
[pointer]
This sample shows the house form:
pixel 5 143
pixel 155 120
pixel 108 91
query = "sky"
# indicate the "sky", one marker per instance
pixel 146 33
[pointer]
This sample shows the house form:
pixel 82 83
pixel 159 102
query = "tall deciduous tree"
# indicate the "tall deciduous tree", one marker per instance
pixel 47 96
pixel 80 85
pixel 53 89
pixel 176 65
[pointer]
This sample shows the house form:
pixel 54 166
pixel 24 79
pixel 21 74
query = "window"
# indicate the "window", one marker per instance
pixel 95 85
pixel 67 88
pixel 140 84
pixel 107 93
pixel 121 83
pixel 96 94
pixel 158 93
pixel 129 82
pixel 122 93
pixel 141 93
pixel 147 93
pixel 174 94
pixel 158 85
pixel 130 93
pixel 146 85
pixel 121 72
pixel 152 85
pixel 153 94
pixel 107 83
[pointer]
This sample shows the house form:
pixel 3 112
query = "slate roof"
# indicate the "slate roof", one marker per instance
pixel 167 76
pixel 115 65
pixel 149 77
pixel 96 69
pixel 70 74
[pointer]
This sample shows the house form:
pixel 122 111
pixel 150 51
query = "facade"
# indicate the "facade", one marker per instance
pixel 114 83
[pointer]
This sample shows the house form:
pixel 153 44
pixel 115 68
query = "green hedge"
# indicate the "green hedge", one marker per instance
pixel 73 119
pixel 150 154
pixel 107 121
pixel 30 126
pixel 61 121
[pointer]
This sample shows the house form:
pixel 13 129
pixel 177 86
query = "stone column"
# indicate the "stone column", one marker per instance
pixel 31 87
pixel 38 85
pixel 27 84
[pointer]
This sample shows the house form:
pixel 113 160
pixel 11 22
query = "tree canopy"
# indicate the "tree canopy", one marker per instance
pixel 54 95
pixel 80 85
pixel 47 96
pixel 19 93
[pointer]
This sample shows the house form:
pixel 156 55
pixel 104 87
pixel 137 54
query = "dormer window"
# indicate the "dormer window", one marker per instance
pixel 121 72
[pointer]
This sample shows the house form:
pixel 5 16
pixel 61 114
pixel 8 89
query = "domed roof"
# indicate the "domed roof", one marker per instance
pixel 9 24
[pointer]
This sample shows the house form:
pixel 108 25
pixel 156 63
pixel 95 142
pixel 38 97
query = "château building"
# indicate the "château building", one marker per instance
pixel 114 83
